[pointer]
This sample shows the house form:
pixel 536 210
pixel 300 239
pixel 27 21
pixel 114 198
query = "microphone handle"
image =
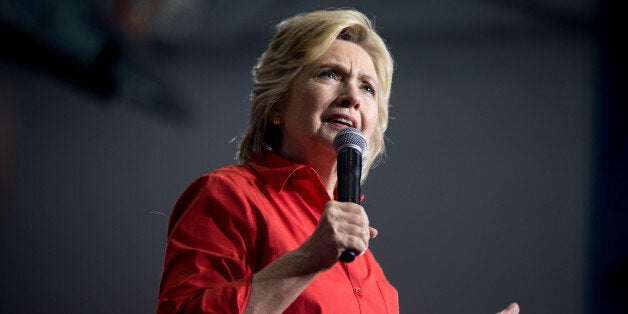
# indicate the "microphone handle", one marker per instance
pixel 348 256
pixel 349 169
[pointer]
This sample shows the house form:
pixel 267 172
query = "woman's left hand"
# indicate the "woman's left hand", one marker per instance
pixel 513 308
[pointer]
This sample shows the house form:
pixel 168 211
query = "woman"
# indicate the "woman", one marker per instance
pixel 265 236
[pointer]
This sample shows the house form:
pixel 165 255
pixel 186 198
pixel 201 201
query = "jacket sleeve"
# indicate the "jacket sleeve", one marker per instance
pixel 208 264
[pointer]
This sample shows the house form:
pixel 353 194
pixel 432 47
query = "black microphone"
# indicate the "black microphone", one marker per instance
pixel 349 144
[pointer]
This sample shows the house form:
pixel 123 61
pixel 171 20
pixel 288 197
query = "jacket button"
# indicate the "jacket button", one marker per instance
pixel 358 292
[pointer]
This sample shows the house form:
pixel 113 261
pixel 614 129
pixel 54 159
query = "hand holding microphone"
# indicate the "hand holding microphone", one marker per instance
pixel 349 144
pixel 343 222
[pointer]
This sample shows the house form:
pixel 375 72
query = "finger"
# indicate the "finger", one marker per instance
pixel 360 219
pixel 513 308
pixel 349 212
pixel 363 233
pixel 373 232
pixel 349 207
pixel 355 243
pixel 351 234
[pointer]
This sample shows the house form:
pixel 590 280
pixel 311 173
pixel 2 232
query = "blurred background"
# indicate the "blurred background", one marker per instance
pixel 504 179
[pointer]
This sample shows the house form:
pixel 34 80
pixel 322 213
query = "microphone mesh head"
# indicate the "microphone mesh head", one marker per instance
pixel 349 137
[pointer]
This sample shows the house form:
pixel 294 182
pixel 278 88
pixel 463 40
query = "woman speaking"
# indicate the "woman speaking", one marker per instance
pixel 265 236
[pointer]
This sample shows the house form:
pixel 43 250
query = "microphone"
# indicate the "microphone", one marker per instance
pixel 349 144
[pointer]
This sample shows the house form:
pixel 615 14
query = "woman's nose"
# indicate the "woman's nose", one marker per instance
pixel 349 96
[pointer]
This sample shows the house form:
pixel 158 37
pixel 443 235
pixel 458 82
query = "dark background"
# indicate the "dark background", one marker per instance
pixel 504 178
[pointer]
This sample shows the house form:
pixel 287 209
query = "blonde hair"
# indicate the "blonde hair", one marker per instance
pixel 299 41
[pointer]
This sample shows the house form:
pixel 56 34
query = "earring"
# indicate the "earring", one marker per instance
pixel 276 120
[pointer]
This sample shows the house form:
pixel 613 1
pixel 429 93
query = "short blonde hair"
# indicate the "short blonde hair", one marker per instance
pixel 299 41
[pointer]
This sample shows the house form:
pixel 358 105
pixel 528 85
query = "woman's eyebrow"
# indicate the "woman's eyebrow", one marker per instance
pixel 331 64
pixel 369 78
pixel 340 65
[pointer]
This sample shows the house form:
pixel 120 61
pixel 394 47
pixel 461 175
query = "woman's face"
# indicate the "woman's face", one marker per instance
pixel 337 90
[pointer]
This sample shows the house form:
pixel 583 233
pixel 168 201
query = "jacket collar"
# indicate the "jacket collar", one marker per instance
pixel 276 170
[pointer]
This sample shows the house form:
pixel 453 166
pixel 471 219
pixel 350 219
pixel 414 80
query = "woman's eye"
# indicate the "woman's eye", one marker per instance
pixel 369 88
pixel 328 74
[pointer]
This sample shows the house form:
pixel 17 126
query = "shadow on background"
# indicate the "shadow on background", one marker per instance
pixel 92 45
pixel 609 214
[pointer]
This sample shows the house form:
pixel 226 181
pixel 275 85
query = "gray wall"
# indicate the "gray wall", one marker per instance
pixel 482 198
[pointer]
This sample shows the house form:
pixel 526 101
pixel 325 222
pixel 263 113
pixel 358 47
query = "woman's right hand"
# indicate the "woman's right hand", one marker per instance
pixel 342 226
